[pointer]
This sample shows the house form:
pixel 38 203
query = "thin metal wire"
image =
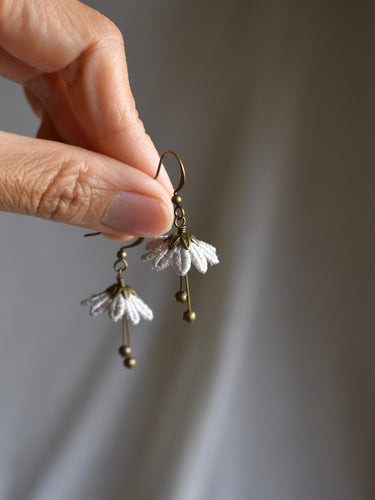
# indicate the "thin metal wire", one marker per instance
pixel 138 241
pixel 188 291
pixel 182 169
pixel 91 234
pixel 120 265
pixel 125 331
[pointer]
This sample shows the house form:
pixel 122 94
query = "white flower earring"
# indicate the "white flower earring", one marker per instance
pixel 180 249
pixel 121 301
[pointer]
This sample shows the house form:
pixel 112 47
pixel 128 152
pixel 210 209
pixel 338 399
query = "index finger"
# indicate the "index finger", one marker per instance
pixel 86 50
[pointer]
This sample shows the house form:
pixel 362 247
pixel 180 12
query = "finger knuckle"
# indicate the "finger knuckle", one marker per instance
pixel 66 197
pixel 107 29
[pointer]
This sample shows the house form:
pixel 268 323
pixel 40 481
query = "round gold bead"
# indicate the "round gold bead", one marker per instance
pixel 125 350
pixel 189 316
pixel 181 296
pixel 176 199
pixel 121 254
pixel 130 362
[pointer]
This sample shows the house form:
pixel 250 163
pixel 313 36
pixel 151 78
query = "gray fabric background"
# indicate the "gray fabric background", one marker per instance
pixel 270 394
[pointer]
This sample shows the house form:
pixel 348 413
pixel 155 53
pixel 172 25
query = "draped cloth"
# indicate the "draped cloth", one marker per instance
pixel 269 395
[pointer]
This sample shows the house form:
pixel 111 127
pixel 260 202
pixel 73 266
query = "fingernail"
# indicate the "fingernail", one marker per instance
pixel 135 214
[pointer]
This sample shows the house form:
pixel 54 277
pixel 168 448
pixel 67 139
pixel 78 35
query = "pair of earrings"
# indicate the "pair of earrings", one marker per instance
pixel 179 250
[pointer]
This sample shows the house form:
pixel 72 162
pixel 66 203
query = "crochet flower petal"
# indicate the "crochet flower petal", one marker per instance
pixel 163 259
pixel 148 255
pixel 156 252
pixel 181 261
pixel 100 305
pixel 131 311
pixel 155 242
pixel 99 302
pixel 161 255
pixel 93 298
pixel 209 252
pixel 198 258
pixel 142 308
pixel 117 307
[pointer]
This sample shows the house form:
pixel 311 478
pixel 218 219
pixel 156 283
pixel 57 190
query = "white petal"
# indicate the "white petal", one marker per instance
pixel 155 252
pixel 142 308
pixel 131 311
pixel 159 254
pixel 160 257
pixel 100 305
pixel 198 258
pixel 155 242
pixel 181 260
pixel 93 298
pixel 148 255
pixel 163 260
pixel 99 302
pixel 117 307
pixel 86 302
pixel 209 252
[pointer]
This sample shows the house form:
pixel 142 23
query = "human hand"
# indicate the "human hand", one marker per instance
pixel 92 164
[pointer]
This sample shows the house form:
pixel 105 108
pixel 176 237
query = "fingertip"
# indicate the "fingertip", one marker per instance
pixel 136 214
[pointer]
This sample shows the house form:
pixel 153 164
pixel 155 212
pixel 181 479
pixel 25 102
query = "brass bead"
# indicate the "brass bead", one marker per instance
pixel 121 254
pixel 181 296
pixel 176 199
pixel 189 316
pixel 125 350
pixel 130 362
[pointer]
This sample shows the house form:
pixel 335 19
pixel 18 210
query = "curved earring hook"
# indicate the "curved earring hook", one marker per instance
pixel 135 243
pixel 138 241
pixel 182 170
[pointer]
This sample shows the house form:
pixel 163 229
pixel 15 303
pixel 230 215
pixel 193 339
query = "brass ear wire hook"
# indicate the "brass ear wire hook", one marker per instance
pixel 138 241
pixel 121 265
pixel 179 212
pixel 135 243
pixel 182 169
pixel 92 234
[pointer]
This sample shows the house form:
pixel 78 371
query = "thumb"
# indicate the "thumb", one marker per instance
pixel 68 184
